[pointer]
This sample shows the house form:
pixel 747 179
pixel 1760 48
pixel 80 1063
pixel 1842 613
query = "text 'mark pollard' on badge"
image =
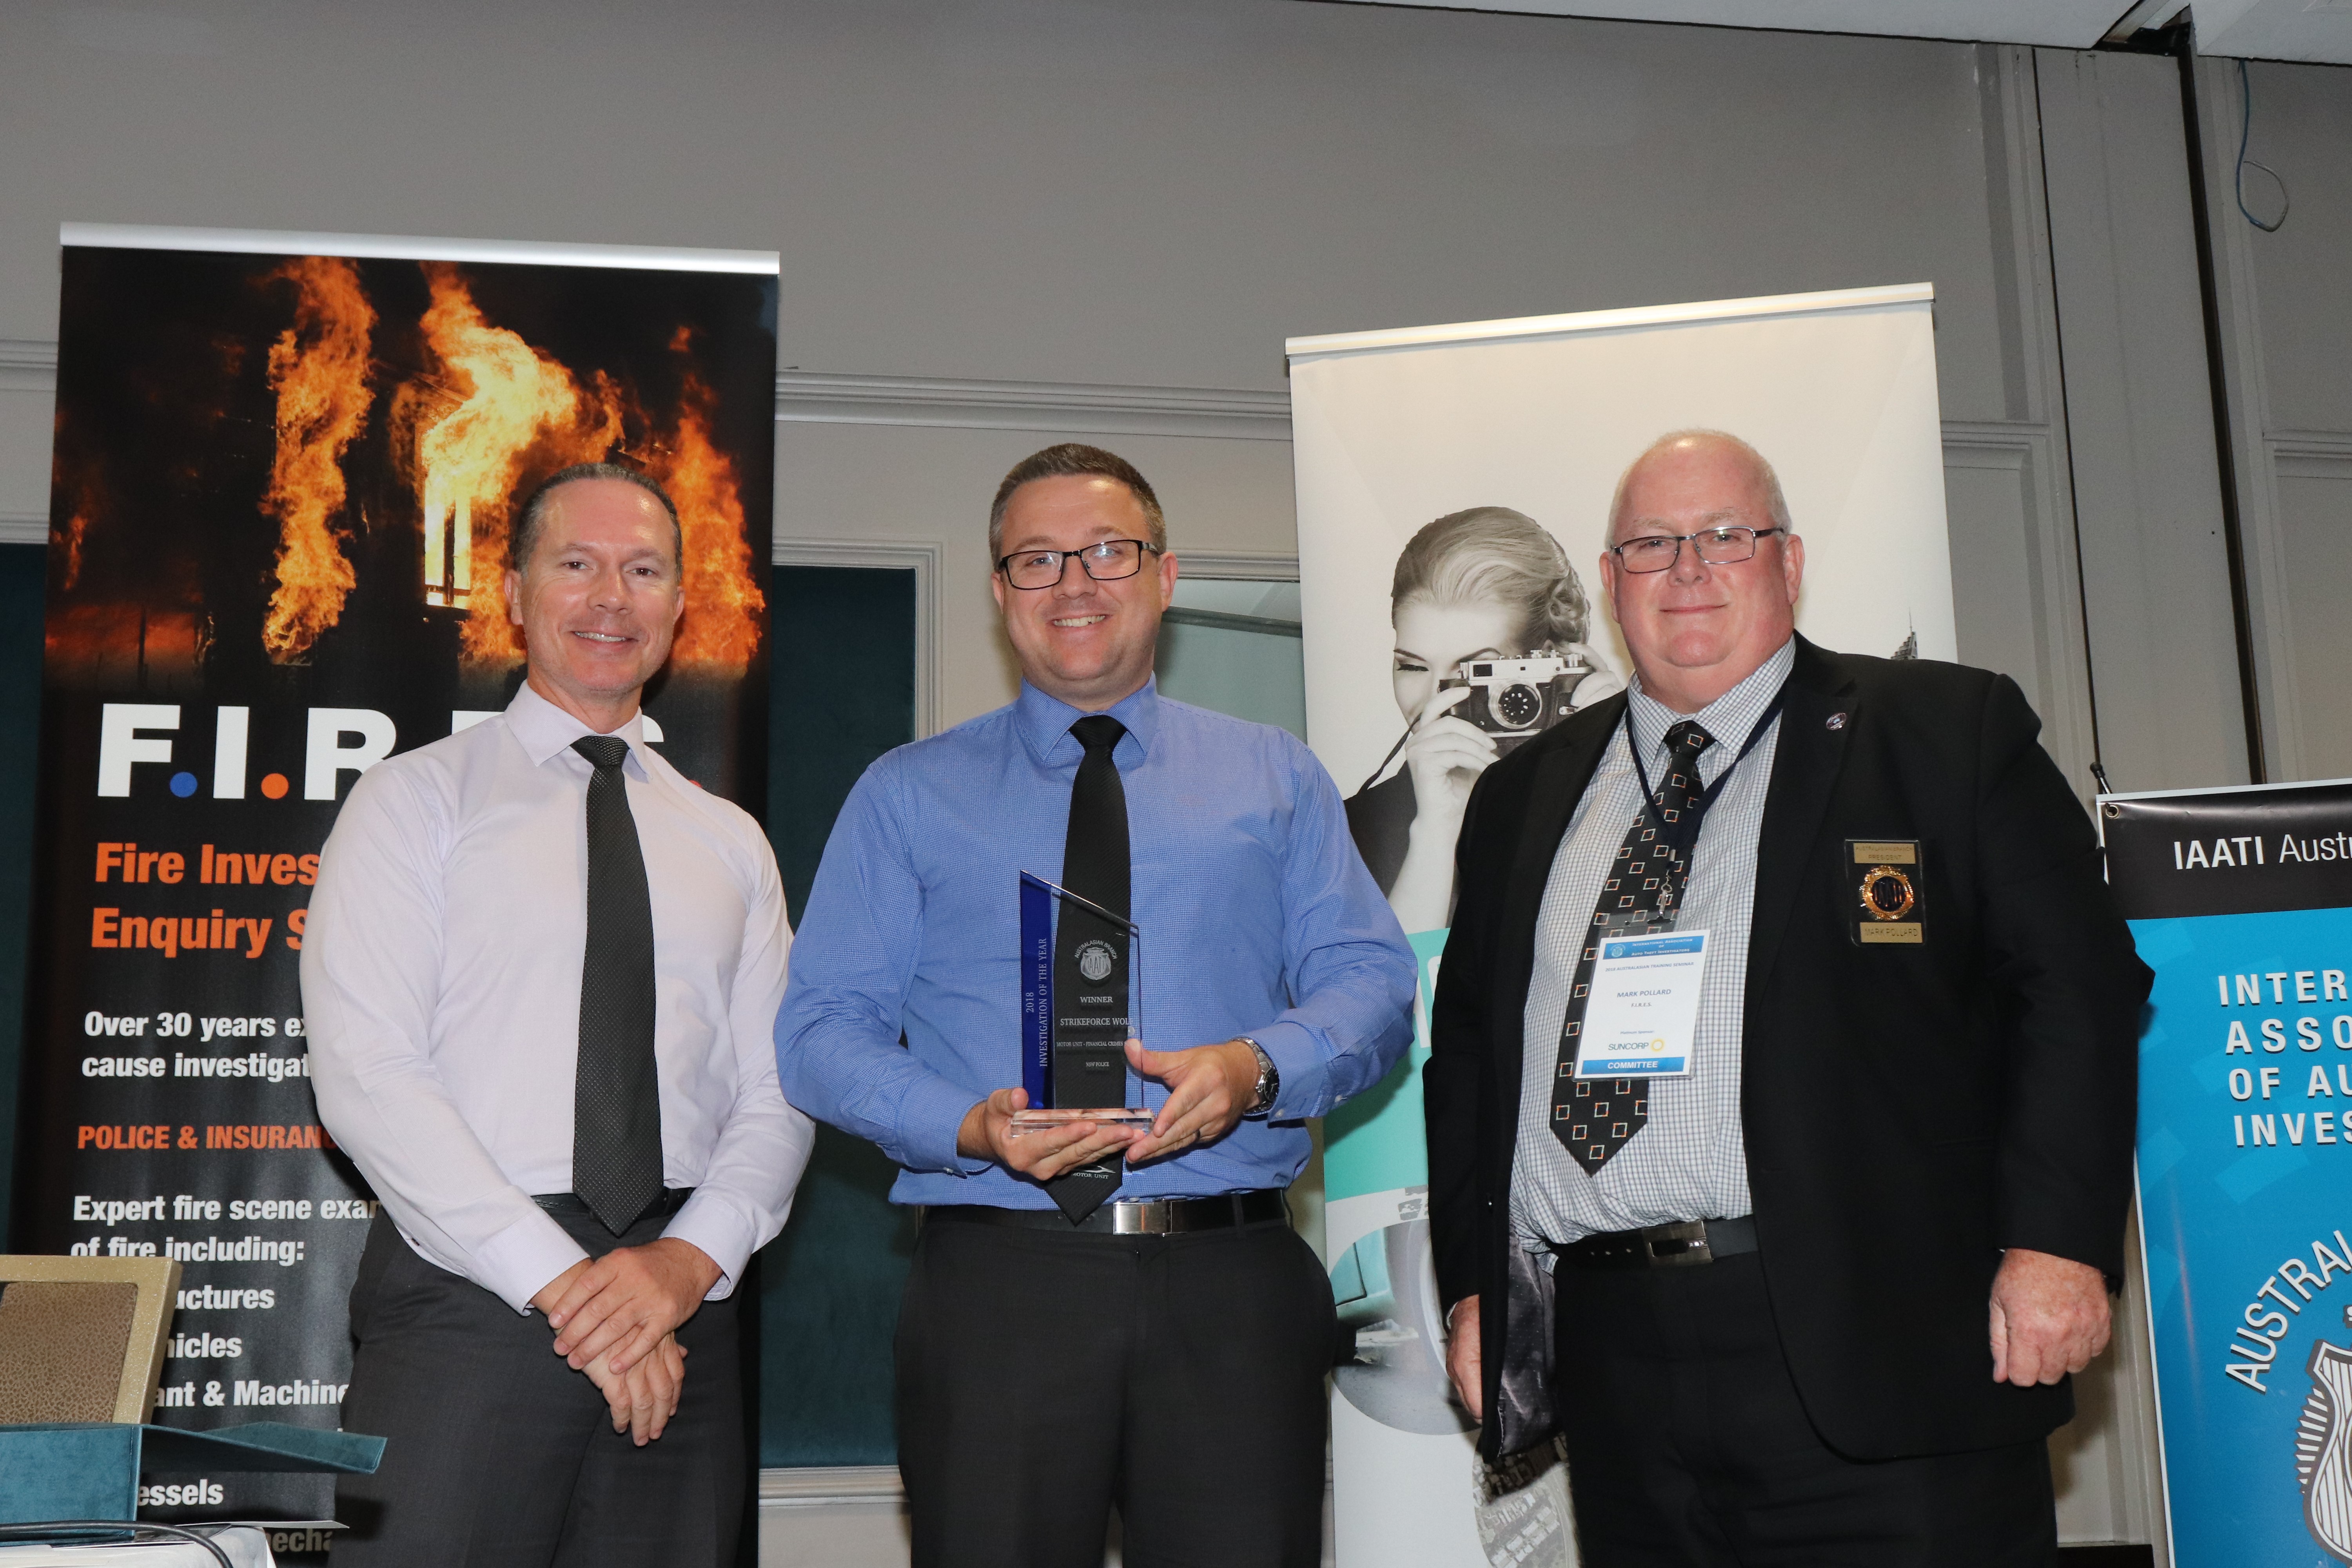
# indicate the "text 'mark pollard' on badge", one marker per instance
pixel 1643 1008
pixel 1889 880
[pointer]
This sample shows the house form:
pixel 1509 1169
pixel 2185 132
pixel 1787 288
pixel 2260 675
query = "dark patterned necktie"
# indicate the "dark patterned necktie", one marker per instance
pixel 616 1147
pixel 1095 865
pixel 1594 1118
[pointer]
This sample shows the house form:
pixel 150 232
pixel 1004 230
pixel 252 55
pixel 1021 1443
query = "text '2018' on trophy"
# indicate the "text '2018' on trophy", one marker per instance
pixel 1081 985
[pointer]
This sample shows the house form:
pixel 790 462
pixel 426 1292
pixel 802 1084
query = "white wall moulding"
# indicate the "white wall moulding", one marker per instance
pixel 23 528
pixel 831 1486
pixel 297 242
pixel 27 366
pixel 852 1516
pixel 1227 413
pixel 1235 567
pixel 923 558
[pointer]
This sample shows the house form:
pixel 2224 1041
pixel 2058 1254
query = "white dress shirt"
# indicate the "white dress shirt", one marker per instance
pixel 1690 1161
pixel 441 996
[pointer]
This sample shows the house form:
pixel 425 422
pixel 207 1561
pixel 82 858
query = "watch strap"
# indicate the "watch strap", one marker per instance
pixel 1269 1079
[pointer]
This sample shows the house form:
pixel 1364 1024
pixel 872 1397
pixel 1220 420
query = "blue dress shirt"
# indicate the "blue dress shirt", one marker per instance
pixel 1258 918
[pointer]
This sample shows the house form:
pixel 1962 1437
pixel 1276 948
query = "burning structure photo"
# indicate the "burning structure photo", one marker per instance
pixel 284 482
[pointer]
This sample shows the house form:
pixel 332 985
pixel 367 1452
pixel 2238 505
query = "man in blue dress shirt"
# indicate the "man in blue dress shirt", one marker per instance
pixel 1165 1353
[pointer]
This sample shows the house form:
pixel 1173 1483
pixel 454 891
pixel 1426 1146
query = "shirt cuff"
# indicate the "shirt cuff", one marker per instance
pixel 523 1259
pixel 928 1121
pixel 721 1234
pixel 1305 1076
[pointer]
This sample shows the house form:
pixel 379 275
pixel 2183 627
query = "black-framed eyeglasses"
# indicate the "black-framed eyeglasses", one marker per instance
pixel 1725 546
pixel 1105 561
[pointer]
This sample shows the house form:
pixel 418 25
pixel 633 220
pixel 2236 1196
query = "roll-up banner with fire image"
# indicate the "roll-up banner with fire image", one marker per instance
pixel 284 470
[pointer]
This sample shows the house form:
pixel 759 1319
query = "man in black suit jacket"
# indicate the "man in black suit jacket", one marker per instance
pixel 1756 1298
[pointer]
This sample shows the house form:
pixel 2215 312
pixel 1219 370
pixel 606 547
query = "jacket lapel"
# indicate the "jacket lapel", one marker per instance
pixel 1561 775
pixel 1805 763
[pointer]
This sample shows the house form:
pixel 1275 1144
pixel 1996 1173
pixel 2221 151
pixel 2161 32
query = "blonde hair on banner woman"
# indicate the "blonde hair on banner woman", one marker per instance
pixel 1494 555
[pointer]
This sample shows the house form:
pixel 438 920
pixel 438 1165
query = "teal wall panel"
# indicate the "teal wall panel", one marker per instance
pixel 842 692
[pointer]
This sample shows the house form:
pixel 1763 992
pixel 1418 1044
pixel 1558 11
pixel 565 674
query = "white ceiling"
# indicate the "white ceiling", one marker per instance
pixel 2276 30
pixel 2074 24
pixel 2260 29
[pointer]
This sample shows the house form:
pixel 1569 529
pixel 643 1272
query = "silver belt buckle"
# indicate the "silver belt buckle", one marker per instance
pixel 1149 1218
pixel 1678 1245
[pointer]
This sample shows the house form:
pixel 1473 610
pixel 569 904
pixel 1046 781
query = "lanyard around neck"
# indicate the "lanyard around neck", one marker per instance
pixel 1683 835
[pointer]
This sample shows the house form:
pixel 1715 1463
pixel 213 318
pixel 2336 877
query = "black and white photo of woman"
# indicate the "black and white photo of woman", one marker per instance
pixel 1488 584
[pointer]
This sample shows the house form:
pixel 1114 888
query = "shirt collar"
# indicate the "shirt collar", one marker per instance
pixel 1045 723
pixel 546 730
pixel 1729 717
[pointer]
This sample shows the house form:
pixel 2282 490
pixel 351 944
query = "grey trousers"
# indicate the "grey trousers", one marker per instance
pixel 497 1453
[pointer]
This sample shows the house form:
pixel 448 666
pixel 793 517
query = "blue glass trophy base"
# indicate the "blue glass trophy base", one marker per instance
pixel 1044 1119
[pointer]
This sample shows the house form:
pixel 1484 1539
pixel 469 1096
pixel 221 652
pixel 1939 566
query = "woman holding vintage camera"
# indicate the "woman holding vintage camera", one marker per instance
pixel 1486 584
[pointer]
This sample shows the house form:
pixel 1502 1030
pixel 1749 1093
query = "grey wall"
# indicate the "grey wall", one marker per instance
pixel 1009 221
pixel 2287 339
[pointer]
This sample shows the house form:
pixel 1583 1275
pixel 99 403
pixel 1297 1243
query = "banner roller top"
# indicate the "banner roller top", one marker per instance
pixel 406 247
pixel 1611 320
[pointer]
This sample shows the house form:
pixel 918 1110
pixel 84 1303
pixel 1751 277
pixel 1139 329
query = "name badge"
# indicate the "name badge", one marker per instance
pixel 1642 1012
pixel 1890 884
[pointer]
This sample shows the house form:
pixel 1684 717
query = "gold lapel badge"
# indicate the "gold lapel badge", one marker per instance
pixel 1889 892
pixel 1886 893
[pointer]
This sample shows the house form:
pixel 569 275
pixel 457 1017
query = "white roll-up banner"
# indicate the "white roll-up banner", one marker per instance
pixel 1498 445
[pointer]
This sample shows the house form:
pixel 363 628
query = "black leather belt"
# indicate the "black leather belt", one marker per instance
pixel 1159 1216
pixel 1676 1246
pixel 671 1200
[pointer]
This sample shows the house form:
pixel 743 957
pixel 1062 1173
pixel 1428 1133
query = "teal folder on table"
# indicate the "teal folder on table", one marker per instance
pixel 91 1469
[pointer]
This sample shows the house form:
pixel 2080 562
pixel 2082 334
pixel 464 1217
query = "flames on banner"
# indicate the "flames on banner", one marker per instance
pixel 490 414
pixel 319 369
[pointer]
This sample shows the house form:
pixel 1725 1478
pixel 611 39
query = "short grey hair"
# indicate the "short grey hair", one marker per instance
pixel 1775 504
pixel 533 515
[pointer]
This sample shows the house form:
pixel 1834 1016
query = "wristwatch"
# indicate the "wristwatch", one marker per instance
pixel 1269 1079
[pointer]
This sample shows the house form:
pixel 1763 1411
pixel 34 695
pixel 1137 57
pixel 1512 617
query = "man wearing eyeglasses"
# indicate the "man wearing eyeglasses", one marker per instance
pixel 1081 1331
pixel 1782 1094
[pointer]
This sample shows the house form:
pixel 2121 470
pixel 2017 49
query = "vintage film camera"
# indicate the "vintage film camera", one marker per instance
pixel 1515 699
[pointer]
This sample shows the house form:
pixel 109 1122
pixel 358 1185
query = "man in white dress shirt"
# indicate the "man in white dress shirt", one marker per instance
pixel 540 976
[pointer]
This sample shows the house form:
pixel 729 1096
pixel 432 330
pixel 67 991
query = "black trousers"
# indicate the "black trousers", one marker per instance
pixel 1046 1377
pixel 499 1454
pixel 1687 1445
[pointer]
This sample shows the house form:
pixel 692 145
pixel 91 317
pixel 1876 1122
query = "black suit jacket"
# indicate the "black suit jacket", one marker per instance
pixel 1909 1111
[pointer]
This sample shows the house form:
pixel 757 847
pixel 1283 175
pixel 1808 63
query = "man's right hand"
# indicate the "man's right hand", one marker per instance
pixel 646 1396
pixel 1463 1362
pixel 1040 1153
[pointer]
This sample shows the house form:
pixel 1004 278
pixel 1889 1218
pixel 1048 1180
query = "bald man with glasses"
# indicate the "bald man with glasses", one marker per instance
pixel 1781 1099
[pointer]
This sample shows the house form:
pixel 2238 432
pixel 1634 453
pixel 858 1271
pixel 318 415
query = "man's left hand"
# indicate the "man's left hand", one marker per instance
pixel 620 1306
pixel 2049 1317
pixel 1209 1089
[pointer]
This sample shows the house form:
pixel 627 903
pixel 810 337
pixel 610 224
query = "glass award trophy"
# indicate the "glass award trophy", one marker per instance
pixel 1081 998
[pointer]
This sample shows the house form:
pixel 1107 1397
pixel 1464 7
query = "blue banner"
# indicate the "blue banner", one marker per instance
pixel 2245 1161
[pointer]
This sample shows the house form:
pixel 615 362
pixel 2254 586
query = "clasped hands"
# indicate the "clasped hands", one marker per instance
pixel 615 1319
pixel 1209 1090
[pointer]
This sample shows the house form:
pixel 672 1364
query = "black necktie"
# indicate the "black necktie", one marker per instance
pixel 1594 1118
pixel 617 1146
pixel 1094 865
